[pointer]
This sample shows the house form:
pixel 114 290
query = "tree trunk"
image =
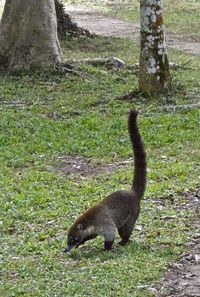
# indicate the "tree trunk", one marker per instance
pixel 154 76
pixel 28 35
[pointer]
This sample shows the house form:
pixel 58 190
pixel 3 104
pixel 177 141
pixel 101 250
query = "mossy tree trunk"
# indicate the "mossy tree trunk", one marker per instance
pixel 154 78
pixel 28 35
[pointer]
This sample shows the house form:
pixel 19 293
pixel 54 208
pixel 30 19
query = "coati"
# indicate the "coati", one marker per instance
pixel 119 210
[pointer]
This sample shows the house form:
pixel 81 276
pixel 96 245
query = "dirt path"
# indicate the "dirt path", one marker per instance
pixel 101 24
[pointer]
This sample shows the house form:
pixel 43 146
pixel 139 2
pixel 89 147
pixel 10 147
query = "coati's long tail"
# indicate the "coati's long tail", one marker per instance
pixel 140 170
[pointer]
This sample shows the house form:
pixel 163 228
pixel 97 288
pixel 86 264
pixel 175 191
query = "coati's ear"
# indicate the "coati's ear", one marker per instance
pixel 79 227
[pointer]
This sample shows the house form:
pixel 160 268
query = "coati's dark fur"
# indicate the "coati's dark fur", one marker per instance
pixel 118 211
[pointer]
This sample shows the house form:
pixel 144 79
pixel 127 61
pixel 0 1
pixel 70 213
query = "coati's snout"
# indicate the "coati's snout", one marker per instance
pixel 74 238
pixel 72 242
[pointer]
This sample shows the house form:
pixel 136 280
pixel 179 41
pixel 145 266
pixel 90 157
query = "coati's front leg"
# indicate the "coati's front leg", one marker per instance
pixel 109 237
pixel 125 231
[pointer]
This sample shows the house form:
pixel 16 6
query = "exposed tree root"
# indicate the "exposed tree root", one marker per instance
pixel 130 96
pixel 108 62
pixel 65 68
pixel 173 108
pixel 69 66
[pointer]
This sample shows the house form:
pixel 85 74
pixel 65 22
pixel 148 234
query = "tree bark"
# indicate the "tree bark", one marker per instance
pixel 28 35
pixel 154 78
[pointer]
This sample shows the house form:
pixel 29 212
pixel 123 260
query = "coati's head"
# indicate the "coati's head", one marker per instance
pixel 75 236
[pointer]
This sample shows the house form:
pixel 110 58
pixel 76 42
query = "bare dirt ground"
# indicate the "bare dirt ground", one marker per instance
pixel 104 25
pixel 83 167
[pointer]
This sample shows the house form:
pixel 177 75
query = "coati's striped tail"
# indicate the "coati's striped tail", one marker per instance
pixel 140 170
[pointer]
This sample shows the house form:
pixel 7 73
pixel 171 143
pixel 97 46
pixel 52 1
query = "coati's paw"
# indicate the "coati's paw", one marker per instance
pixel 108 245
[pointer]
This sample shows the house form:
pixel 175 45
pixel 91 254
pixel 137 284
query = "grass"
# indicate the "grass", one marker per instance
pixel 39 123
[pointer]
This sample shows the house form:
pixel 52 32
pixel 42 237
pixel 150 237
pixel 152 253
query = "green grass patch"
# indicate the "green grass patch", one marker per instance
pixel 45 116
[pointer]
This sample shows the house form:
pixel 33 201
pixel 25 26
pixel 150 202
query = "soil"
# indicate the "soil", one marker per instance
pixel 84 167
pixel 104 25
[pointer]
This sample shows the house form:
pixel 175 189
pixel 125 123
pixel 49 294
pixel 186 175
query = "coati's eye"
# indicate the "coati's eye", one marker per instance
pixel 73 240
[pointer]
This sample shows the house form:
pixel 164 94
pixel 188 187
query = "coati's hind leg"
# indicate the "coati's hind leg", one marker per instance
pixel 125 231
